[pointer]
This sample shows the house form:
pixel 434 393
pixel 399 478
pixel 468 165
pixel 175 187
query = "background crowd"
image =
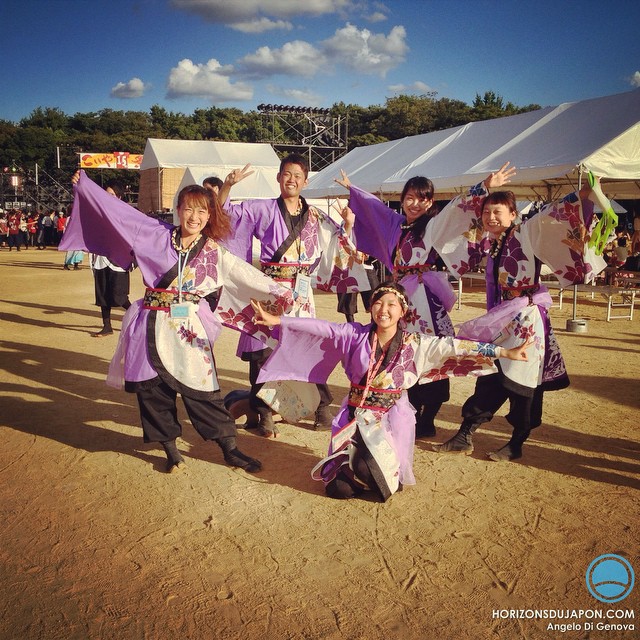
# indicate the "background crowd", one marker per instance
pixel 23 230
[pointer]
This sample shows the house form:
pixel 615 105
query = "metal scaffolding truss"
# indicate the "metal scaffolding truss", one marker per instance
pixel 312 132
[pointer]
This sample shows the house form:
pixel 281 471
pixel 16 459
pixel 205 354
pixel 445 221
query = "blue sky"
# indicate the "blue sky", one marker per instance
pixel 88 55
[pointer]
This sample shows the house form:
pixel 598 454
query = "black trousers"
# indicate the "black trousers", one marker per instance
pixel 525 413
pixel 431 394
pixel 159 415
pixel 256 360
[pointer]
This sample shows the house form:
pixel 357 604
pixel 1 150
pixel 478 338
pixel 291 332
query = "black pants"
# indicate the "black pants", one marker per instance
pixel 256 360
pixel 432 394
pixel 525 413
pixel 159 415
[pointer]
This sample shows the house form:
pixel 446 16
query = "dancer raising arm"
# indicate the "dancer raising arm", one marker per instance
pixel 372 436
pixel 398 241
pixel 484 224
pixel 300 247
pixel 167 338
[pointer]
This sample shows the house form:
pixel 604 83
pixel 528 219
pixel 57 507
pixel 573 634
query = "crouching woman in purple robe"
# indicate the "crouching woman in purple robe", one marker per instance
pixel 373 435
pixel 194 286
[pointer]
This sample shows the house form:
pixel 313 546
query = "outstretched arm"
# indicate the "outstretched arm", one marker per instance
pixel 516 353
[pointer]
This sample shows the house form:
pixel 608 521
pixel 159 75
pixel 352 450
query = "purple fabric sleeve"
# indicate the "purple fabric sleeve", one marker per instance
pixel 377 227
pixel 309 349
pixel 105 225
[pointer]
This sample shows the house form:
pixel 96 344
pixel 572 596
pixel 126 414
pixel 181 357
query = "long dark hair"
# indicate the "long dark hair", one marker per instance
pixel 218 226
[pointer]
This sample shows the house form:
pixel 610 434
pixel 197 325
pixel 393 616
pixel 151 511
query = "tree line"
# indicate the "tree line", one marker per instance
pixel 48 135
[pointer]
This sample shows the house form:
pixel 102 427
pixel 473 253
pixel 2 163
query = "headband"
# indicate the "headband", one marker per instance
pixel 403 299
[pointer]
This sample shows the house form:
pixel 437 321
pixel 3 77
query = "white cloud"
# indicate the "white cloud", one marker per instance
pixel 295 58
pixel 414 87
pixel 376 16
pixel 135 88
pixel 210 80
pixel 366 52
pixel 634 80
pixel 250 16
pixel 261 25
pixel 304 97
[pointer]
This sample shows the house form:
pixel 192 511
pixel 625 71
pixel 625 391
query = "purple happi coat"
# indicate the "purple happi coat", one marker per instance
pixel 517 301
pixel 215 285
pixel 320 248
pixel 381 232
pixel 380 411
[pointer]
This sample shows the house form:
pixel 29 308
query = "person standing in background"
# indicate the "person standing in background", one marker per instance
pixel 111 282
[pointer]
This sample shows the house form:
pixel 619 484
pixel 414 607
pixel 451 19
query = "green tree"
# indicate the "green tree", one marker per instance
pixel 10 150
pixel 407 116
pixel 50 118
pixel 491 105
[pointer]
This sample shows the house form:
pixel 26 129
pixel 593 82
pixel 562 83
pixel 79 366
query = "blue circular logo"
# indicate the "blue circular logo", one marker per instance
pixel 610 578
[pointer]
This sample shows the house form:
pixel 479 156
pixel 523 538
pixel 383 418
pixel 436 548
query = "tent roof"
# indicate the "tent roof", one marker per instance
pixel 548 146
pixel 261 184
pixel 160 153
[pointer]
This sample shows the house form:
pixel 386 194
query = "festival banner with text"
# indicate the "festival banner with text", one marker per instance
pixel 114 160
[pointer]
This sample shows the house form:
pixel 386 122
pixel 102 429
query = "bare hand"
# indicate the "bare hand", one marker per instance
pixel 347 215
pixel 344 181
pixel 263 317
pixel 518 353
pixel 500 177
pixel 237 175
pixel 75 177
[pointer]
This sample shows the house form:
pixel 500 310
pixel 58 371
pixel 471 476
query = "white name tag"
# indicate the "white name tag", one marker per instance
pixel 181 310
pixel 302 287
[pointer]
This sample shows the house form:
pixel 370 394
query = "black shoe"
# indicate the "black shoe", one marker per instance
pixel 460 443
pixel 105 331
pixel 323 419
pixel 425 432
pixel 266 426
pixel 66 266
pixel 235 458
pixel 425 427
pixel 175 462
pixel 508 452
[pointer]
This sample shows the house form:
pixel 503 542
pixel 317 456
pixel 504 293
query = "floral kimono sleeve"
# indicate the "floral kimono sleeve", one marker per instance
pixel 308 351
pixel 559 236
pixel 341 267
pixel 241 283
pixel 456 232
pixel 439 358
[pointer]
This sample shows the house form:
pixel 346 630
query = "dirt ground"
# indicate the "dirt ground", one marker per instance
pixel 98 542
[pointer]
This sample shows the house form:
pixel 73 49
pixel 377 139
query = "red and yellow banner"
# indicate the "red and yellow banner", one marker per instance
pixel 114 160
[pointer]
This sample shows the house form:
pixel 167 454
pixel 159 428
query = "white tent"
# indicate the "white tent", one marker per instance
pixel 549 147
pixel 262 184
pixel 168 165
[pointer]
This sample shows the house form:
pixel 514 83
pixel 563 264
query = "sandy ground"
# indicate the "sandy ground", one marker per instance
pixel 98 542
